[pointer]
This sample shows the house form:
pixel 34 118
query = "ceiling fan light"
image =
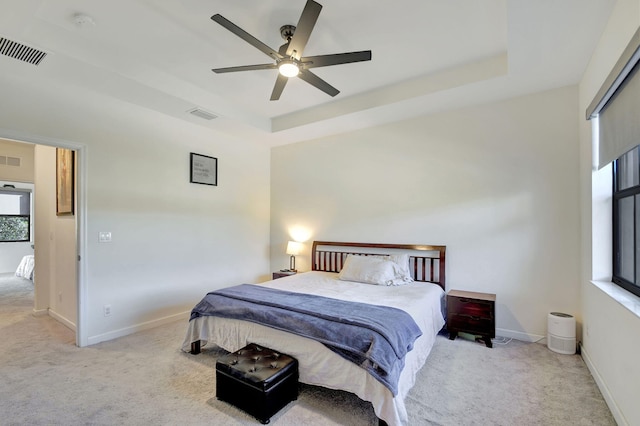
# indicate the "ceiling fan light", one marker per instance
pixel 288 68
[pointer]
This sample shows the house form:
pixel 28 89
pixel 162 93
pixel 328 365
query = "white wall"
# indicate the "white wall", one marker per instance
pixel 172 240
pixel 610 338
pixel 55 246
pixel 23 172
pixel 497 184
pixel 44 235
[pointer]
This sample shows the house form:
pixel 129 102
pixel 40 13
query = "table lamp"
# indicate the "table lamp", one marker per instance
pixel 293 248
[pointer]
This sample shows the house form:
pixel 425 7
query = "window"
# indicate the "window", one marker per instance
pixel 626 221
pixel 15 215
pixel 615 110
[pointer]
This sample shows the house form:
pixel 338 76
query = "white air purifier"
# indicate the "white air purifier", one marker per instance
pixel 561 333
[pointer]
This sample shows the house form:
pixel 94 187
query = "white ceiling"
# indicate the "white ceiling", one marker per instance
pixel 427 55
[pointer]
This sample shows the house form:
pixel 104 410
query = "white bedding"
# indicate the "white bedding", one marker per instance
pixel 319 365
pixel 25 268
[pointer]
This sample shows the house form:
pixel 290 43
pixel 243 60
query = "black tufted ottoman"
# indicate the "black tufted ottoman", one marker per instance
pixel 257 380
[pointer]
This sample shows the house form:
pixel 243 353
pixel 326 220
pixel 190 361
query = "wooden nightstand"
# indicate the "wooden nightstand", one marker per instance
pixel 281 274
pixel 473 313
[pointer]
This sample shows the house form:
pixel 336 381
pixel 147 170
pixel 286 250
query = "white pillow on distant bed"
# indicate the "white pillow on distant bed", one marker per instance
pixel 369 270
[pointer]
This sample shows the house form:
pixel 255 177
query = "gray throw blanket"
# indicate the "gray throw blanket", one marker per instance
pixel 377 338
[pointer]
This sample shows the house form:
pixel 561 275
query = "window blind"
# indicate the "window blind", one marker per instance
pixel 617 106
pixel 15 201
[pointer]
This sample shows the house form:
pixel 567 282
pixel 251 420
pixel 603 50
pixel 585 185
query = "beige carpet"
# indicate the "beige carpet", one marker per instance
pixel 145 379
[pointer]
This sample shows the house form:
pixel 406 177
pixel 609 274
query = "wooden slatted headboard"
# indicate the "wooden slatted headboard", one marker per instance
pixel 426 262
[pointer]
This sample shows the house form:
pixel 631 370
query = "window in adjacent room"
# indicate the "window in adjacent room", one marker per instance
pixel 15 215
pixel 626 221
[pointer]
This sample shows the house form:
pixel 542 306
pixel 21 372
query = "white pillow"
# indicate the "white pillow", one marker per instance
pixel 369 270
pixel 403 275
pixel 402 260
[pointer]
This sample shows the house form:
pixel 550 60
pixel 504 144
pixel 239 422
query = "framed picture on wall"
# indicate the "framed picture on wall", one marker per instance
pixel 203 169
pixel 64 181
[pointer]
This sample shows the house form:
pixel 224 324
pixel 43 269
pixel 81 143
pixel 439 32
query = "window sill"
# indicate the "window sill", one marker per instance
pixel 620 295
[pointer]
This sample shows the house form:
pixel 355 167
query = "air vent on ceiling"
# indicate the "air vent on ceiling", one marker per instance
pixel 198 112
pixel 20 51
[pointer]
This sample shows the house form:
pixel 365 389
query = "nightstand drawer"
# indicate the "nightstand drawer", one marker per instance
pixel 471 324
pixel 471 307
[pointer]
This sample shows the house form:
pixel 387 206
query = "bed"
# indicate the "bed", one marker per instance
pixel 421 296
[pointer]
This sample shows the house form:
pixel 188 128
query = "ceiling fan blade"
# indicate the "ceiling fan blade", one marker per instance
pixel 303 30
pixel 246 36
pixel 245 68
pixel 336 59
pixel 317 82
pixel 281 81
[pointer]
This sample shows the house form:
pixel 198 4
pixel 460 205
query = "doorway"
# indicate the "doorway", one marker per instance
pixel 58 282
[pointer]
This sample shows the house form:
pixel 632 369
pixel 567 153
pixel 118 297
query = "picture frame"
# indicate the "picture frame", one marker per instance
pixel 203 169
pixel 65 189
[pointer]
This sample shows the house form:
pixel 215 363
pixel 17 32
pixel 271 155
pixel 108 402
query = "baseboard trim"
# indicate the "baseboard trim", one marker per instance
pixel 69 324
pixel 518 335
pixel 604 390
pixel 40 312
pixel 92 340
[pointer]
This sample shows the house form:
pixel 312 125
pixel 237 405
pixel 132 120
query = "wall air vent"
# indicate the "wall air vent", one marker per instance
pixel 198 112
pixel 21 52
pixel 9 161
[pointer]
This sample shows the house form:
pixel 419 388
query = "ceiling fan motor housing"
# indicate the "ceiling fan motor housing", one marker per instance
pixel 286 31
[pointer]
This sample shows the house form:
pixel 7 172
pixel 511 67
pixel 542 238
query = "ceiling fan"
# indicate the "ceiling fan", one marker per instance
pixel 288 59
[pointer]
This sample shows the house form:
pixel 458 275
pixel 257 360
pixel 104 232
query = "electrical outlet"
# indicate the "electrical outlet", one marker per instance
pixel 107 310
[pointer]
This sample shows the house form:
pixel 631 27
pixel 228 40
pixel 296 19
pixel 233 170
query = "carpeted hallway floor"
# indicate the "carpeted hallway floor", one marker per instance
pixel 145 379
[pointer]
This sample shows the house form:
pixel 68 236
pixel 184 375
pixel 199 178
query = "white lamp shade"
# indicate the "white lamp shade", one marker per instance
pixel 294 248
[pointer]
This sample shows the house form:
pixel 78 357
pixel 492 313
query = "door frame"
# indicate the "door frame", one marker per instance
pixel 81 223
